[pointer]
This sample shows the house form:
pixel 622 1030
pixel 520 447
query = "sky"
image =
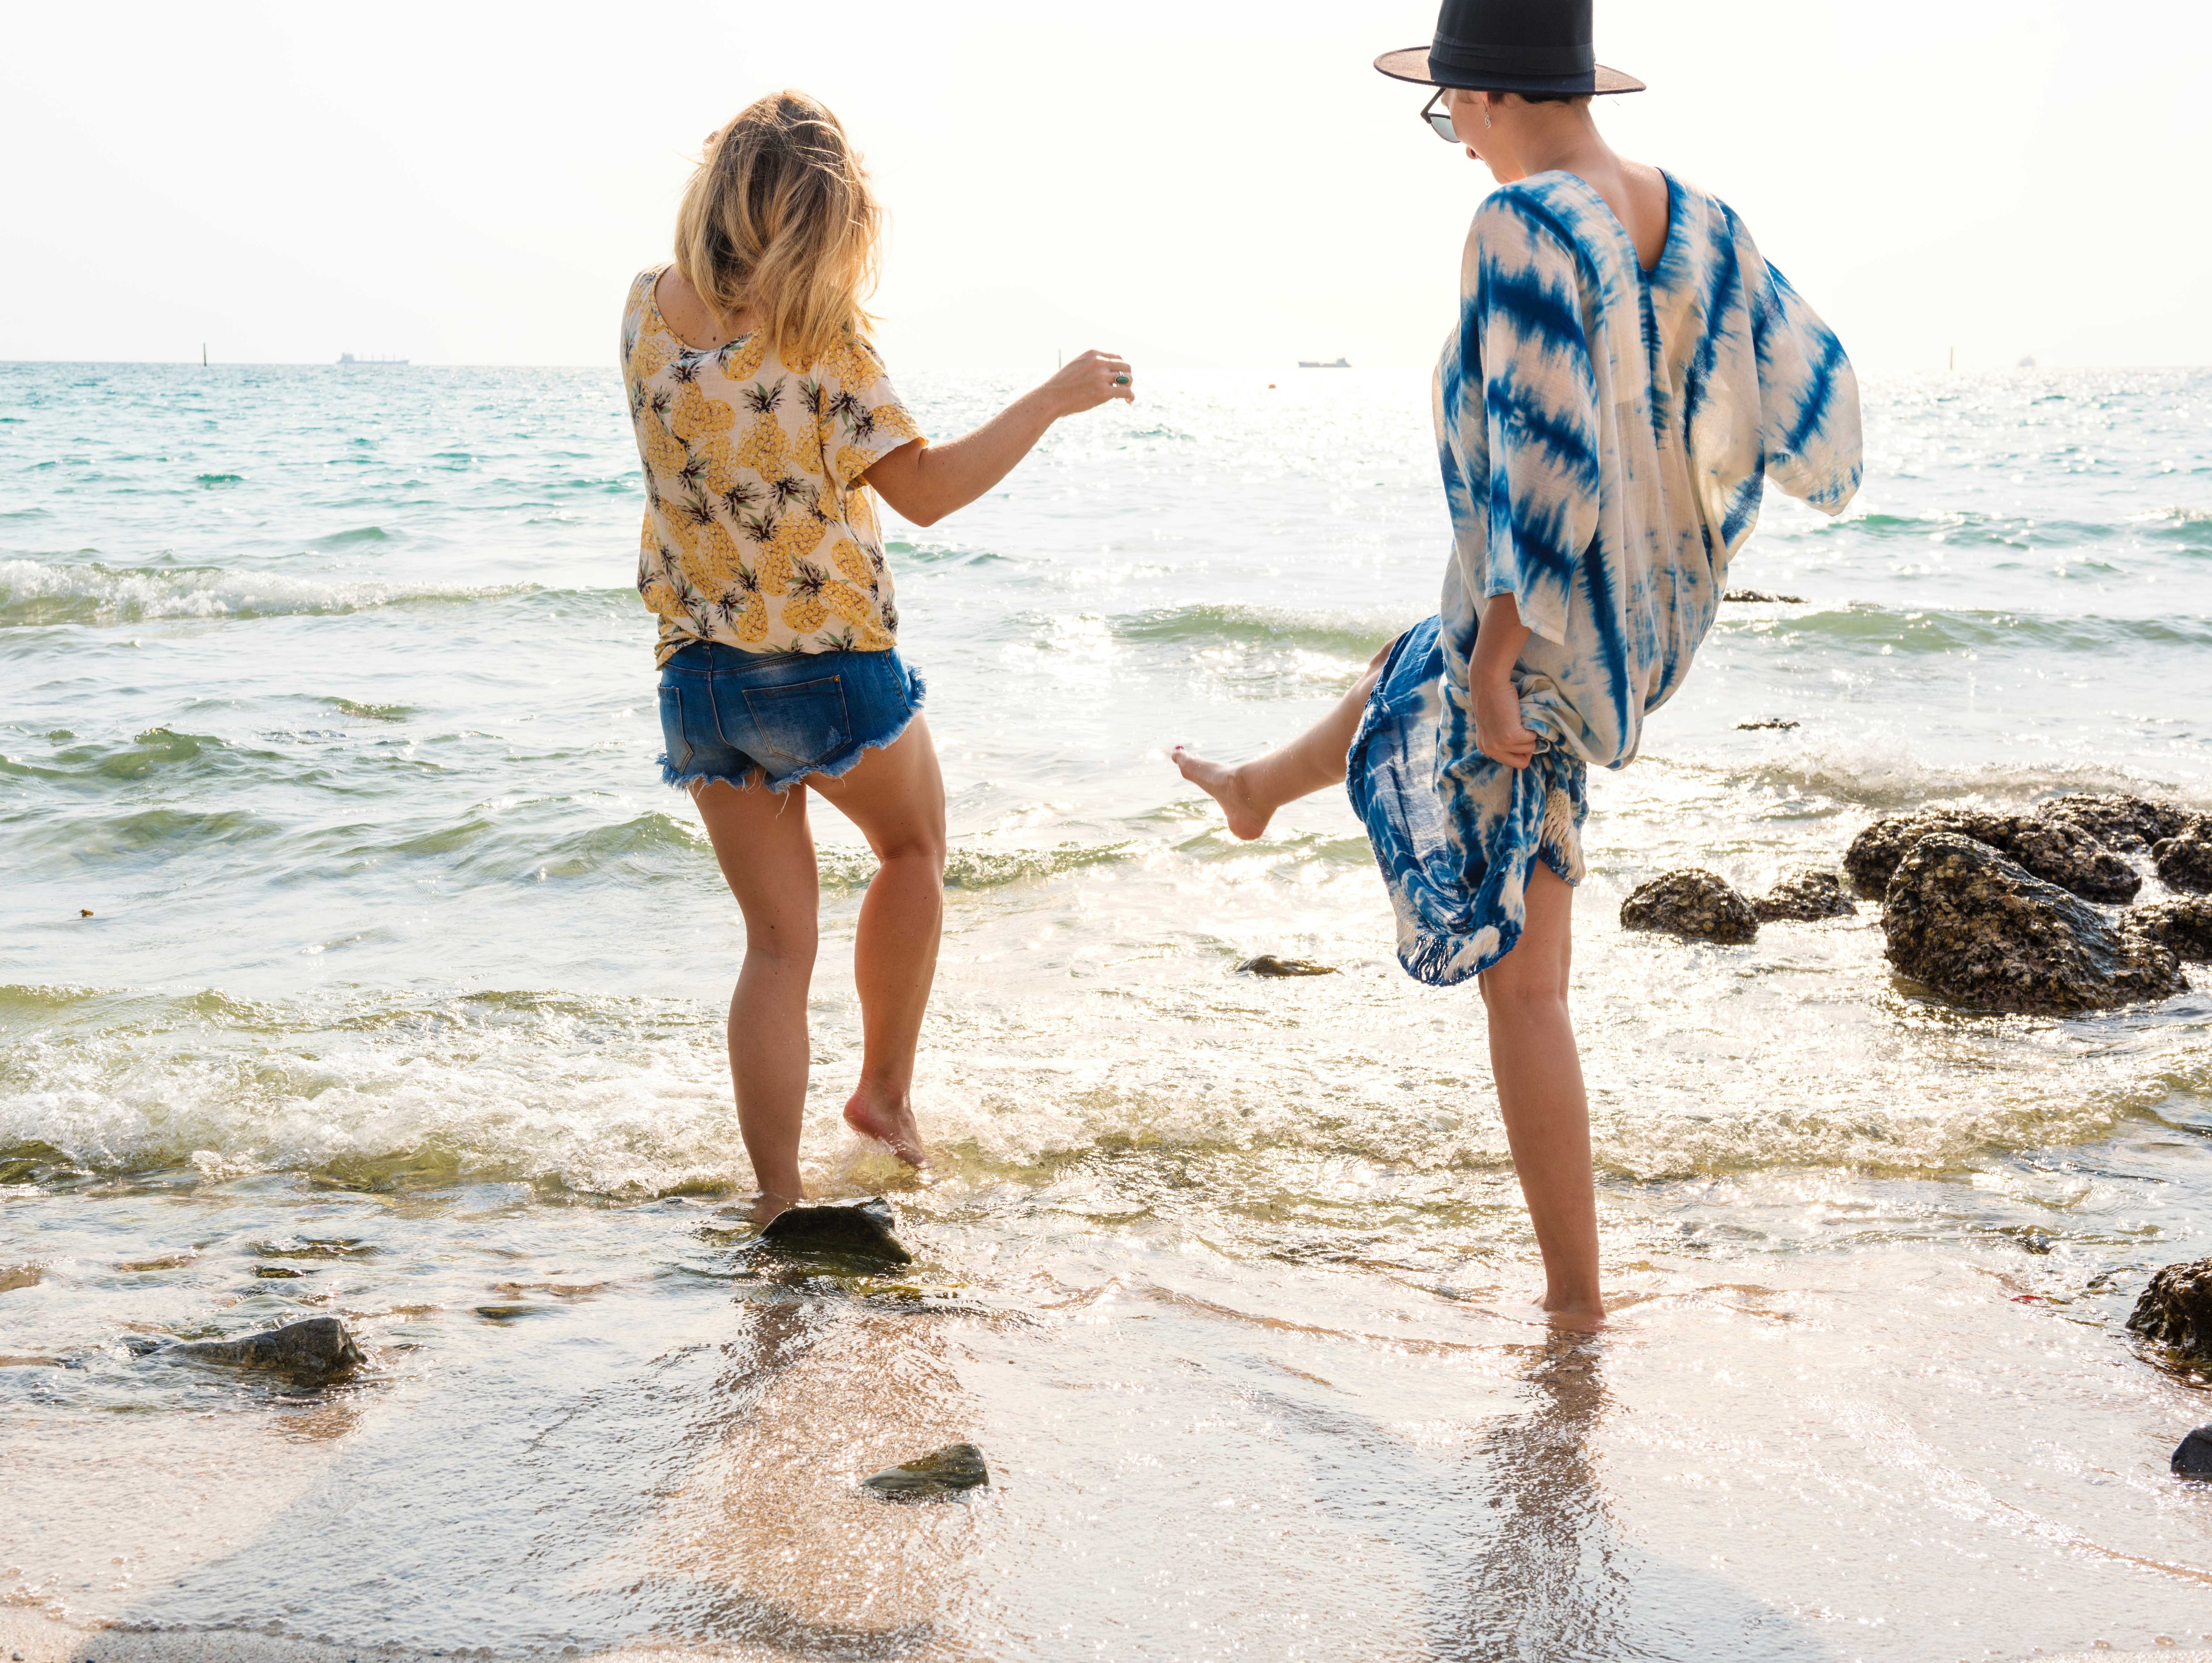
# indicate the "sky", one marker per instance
pixel 1192 182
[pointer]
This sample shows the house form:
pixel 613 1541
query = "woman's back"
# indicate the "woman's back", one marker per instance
pixel 1605 431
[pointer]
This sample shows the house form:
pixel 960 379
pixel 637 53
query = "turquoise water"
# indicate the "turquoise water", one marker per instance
pixel 327 695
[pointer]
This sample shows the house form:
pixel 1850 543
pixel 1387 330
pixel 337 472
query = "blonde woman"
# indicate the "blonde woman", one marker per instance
pixel 767 424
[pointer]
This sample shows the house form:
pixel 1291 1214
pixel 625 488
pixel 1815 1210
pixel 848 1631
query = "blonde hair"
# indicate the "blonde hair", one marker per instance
pixel 779 216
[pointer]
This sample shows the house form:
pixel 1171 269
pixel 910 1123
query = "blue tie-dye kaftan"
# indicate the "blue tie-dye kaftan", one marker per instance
pixel 1605 434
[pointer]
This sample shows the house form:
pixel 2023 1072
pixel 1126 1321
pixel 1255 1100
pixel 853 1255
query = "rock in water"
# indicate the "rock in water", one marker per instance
pixel 1268 965
pixel 2182 926
pixel 2194 1459
pixel 1978 928
pixel 1810 896
pixel 946 1471
pixel 2176 1309
pixel 1761 595
pixel 845 1230
pixel 318 1349
pixel 2055 851
pixel 1703 905
pixel 2184 860
pixel 2118 822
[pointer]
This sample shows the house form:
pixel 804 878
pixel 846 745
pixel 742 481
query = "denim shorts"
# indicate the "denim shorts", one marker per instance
pixel 740 716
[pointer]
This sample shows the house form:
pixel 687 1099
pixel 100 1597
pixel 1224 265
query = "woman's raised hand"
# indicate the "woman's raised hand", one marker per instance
pixel 926 482
pixel 1086 382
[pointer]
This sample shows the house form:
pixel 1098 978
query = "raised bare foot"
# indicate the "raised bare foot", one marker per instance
pixel 1225 785
pixel 889 1121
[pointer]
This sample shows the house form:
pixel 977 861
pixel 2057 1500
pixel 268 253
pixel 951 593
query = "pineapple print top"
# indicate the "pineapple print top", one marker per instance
pixel 758 531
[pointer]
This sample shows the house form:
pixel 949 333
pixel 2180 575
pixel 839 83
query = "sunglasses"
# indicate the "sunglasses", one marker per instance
pixel 1440 119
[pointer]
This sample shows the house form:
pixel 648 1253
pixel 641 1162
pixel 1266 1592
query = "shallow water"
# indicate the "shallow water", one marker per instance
pixel 328 697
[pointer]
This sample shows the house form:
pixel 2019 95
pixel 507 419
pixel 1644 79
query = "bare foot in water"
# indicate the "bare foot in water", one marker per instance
pixel 1583 1317
pixel 1226 786
pixel 889 1123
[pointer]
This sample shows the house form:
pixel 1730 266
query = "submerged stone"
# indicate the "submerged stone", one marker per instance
pixel 1808 897
pixel 2056 851
pixel 1761 595
pixel 1268 965
pixel 2116 820
pixel 2194 1459
pixel 945 1471
pixel 1698 904
pixel 1982 931
pixel 2184 860
pixel 1772 722
pixel 316 1349
pixel 846 1230
pixel 2176 1309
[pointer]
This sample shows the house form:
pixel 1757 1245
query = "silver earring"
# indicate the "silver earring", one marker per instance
pixel 1485 115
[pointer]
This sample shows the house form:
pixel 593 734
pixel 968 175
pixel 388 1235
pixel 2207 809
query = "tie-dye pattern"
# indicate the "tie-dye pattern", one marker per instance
pixel 1605 434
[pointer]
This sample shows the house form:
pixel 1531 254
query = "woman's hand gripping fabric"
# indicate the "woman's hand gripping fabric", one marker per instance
pixel 1498 733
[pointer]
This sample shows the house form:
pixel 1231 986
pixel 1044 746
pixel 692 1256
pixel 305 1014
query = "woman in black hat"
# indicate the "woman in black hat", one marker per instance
pixel 1626 373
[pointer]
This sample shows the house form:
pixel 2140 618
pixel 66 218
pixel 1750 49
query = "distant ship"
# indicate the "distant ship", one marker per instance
pixel 349 358
pixel 1316 363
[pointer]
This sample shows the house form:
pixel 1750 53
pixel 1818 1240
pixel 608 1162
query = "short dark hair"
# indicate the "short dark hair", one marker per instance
pixel 1551 98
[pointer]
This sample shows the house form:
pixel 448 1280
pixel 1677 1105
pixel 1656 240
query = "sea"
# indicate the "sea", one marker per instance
pixel 354 960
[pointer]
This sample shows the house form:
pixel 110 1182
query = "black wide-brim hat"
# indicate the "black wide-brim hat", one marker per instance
pixel 1510 46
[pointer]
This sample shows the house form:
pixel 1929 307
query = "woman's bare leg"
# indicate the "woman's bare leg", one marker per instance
pixel 1540 1089
pixel 1249 793
pixel 897 797
pixel 766 851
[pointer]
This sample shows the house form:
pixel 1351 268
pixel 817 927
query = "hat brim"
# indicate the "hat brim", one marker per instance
pixel 1412 65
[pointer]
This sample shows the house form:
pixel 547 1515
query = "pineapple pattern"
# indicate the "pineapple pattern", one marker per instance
pixel 759 533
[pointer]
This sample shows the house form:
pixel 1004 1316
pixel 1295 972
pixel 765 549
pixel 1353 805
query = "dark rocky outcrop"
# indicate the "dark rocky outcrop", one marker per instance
pixel 2182 926
pixel 1772 722
pixel 2132 824
pixel 1980 930
pixel 313 1351
pixel 2055 851
pixel 2184 860
pixel 854 1231
pixel 2194 1459
pixel 946 1471
pixel 1807 897
pixel 2176 1310
pixel 1761 595
pixel 1268 965
pixel 1700 904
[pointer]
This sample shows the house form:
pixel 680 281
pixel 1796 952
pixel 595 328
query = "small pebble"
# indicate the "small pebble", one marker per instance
pixel 82 912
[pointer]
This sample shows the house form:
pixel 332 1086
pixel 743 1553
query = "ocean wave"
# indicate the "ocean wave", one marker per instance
pixel 969 866
pixel 1966 529
pixel 156 751
pixel 33 594
pixel 611 1094
pixel 1350 633
pixel 2192 528
pixel 1866 627
pixel 1880 773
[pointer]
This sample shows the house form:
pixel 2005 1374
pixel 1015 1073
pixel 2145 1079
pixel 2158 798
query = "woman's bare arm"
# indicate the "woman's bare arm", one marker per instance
pixel 1498 733
pixel 926 482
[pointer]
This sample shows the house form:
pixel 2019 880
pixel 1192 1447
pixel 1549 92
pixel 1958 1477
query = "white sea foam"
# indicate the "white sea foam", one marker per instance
pixel 33 593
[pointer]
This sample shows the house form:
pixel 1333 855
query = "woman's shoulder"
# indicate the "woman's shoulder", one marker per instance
pixel 641 286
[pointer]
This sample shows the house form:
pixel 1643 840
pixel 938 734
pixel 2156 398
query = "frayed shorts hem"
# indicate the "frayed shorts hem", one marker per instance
pixel 844 761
